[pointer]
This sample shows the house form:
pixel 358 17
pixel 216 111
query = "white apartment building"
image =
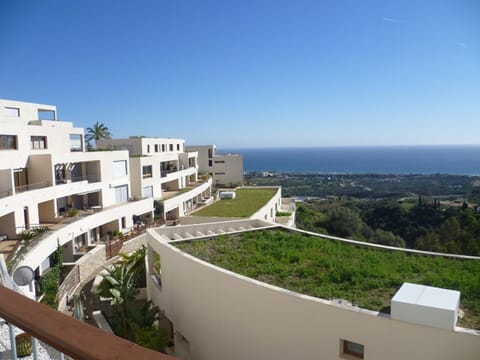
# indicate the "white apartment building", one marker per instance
pixel 45 172
pixel 162 169
pixel 226 170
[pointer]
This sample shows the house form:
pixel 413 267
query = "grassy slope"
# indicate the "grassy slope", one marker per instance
pixel 245 204
pixel 328 269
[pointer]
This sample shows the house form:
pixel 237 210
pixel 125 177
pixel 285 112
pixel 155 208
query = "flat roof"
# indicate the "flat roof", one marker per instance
pixel 325 268
pixel 246 203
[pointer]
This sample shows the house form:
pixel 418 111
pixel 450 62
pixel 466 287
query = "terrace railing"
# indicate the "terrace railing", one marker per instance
pixel 113 247
pixel 33 186
pixel 6 193
pixel 69 336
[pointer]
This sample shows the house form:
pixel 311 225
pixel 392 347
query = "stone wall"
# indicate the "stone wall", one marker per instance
pixel 90 265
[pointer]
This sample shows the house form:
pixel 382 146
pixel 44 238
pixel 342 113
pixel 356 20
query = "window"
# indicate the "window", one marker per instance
pixel 219 161
pixel 210 153
pixel 46 114
pixel 209 162
pixel 156 147
pixel 156 268
pixel 171 147
pixel 148 191
pixel 12 112
pixel 121 194
pixel 76 142
pixel 148 148
pixel 352 349
pixel 124 222
pixel 178 147
pixel 38 142
pixel 60 174
pixel 120 168
pixel 8 142
pixel 147 171
pixel 163 147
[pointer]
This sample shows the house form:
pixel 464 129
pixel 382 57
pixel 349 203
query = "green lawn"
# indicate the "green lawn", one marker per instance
pixel 329 269
pixel 245 204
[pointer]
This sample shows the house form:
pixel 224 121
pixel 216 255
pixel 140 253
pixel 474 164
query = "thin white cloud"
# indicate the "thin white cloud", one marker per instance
pixel 462 44
pixel 391 20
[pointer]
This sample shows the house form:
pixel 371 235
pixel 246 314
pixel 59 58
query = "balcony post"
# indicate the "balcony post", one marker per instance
pixel 35 348
pixel 13 343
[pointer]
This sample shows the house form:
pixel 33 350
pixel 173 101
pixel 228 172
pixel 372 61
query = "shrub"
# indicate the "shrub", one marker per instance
pixel 49 286
pixel 72 212
pixel 152 337
pixel 50 282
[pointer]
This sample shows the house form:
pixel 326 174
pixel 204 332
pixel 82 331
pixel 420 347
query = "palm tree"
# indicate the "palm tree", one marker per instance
pixel 98 132
pixel 136 263
pixel 120 286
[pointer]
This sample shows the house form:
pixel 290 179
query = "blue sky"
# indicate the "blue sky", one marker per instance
pixel 251 73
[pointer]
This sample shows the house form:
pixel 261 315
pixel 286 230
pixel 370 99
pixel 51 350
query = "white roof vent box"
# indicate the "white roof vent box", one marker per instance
pixel 227 195
pixel 426 305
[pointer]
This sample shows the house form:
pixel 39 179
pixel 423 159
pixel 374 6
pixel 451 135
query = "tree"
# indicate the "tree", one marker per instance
pixel 387 238
pixel 136 263
pixel 98 132
pixel 344 222
pixel 119 285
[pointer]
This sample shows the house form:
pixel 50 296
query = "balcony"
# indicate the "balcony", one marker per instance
pixel 62 181
pixel 6 193
pixel 69 336
pixel 171 170
pixel 33 186
pixel 77 171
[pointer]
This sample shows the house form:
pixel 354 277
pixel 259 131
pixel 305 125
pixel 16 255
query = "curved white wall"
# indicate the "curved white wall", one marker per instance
pixel 228 316
pixel 269 210
pixel 178 200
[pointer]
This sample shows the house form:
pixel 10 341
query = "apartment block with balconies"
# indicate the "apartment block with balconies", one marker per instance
pixel 162 169
pixel 47 179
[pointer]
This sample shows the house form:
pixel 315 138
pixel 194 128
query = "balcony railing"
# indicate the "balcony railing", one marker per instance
pixel 33 186
pixel 75 179
pixel 6 193
pixel 69 336
pixel 165 172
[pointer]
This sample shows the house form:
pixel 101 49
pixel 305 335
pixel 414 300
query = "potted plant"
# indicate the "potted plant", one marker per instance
pixel 73 212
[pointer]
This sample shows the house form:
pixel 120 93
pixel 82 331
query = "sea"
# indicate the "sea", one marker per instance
pixel 449 159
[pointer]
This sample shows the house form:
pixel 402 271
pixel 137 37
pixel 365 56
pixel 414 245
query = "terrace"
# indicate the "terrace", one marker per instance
pixel 168 194
pixel 245 204
pixel 363 276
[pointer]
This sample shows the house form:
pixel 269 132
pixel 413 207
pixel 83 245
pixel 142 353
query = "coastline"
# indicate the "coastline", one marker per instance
pixel 385 160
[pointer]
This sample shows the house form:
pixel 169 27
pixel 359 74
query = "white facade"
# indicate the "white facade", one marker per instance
pixel 226 170
pixel 161 169
pixel 45 172
pixel 268 212
pixel 218 314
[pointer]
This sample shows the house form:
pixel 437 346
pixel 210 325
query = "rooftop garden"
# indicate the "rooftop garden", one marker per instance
pixel 246 203
pixel 329 269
